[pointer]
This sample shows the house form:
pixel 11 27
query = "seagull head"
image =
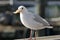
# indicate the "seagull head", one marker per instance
pixel 20 9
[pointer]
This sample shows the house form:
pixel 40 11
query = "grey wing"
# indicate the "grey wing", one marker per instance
pixel 40 20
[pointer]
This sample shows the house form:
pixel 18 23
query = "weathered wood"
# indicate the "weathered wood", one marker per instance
pixel 44 38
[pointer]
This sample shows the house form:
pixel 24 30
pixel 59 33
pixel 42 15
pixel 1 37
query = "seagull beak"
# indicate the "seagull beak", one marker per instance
pixel 17 11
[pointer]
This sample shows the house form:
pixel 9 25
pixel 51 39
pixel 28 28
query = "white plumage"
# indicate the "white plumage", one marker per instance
pixel 33 21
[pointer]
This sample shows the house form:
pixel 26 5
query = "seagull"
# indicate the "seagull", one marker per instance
pixel 31 20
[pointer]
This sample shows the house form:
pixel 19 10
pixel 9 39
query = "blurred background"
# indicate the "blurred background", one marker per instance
pixel 11 27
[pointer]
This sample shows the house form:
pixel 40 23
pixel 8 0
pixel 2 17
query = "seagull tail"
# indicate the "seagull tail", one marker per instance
pixel 49 26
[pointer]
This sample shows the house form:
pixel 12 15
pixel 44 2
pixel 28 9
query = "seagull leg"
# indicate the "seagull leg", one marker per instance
pixel 35 35
pixel 30 38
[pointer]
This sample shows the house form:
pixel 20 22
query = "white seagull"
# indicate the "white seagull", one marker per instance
pixel 31 20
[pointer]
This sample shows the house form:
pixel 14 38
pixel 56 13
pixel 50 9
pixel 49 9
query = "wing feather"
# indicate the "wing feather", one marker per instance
pixel 40 20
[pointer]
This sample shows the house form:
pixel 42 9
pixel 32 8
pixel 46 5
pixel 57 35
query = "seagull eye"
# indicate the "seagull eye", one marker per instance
pixel 22 8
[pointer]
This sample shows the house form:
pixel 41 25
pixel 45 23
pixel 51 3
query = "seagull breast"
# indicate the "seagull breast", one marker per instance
pixel 28 21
